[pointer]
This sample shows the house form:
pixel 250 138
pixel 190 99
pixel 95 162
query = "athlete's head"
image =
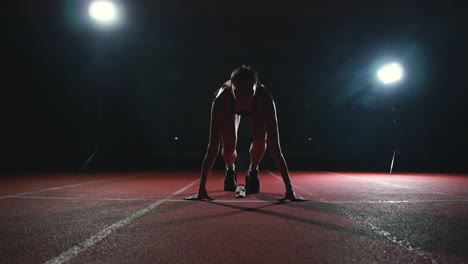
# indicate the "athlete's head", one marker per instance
pixel 244 72
pixel 244 83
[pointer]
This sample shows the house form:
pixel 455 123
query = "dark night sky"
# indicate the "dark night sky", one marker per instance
pixel 159 68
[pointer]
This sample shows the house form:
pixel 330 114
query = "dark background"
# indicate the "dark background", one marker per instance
pixel 158 70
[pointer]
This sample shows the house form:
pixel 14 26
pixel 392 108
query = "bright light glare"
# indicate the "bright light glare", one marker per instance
pixel 103 11
pixel 390 73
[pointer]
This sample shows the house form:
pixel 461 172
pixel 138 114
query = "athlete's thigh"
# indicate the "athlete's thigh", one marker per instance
pixel 258 129
pixel 229 128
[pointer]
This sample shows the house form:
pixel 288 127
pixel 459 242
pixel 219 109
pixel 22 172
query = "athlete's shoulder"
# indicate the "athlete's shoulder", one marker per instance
pixel 263 92
pixel 261 87
pixel 222 95
pixel 223 90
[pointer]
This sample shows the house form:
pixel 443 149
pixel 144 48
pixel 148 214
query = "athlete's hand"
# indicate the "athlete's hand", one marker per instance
pixel 291 196
pixel 201 195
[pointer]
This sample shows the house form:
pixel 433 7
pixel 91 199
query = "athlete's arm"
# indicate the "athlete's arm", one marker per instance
pixel 213 143
pixel 275 150
pixel 273 141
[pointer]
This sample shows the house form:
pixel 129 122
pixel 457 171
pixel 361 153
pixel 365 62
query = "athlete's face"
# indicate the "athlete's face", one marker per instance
pixel 244 91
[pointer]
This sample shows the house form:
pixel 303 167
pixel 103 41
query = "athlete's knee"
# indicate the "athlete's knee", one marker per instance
pixel 213 148
pixel 258 145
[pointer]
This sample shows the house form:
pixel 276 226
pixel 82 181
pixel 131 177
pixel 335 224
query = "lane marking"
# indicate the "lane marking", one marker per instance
pixel 391 184
pixel 449 194
pixel 400 242
pixel 387 235
pixel 94 239
pixel 74 185
pixel 370 180
pixel 395 202
pixel 230 201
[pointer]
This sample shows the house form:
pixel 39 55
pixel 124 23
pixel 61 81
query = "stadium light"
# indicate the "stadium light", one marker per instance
pixel 103 11
pixel 390 73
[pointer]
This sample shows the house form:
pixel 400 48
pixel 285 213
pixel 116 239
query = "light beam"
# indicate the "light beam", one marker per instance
pixel 390 73
pixel 103 11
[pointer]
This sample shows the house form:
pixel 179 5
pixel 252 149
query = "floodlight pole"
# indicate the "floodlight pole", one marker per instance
pixel 388 77
pixel 393 160
pixel 97 147
pixel 394 139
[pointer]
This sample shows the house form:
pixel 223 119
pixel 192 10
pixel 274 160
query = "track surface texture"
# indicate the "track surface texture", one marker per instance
pixel 142 218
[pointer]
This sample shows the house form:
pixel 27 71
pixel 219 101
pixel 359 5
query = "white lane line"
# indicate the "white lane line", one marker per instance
pixel 391 184
pixel 83 245
pixel 390 237
pixel 138 199
pixel 449 194
pixel 74 185
pixel 370 180
pixel 400 242
pixel 321 199
pixel 394 202
pixel 231 201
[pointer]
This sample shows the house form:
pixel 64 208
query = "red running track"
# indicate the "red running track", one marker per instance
pixel 142 218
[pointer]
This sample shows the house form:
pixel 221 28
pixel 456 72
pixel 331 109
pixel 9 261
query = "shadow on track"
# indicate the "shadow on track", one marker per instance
pixel 429 232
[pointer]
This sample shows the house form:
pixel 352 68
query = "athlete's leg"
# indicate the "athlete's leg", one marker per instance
pixel 229 153
pixel 226 127
pixel 229 139
pixel 257 151
pixel 258 146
